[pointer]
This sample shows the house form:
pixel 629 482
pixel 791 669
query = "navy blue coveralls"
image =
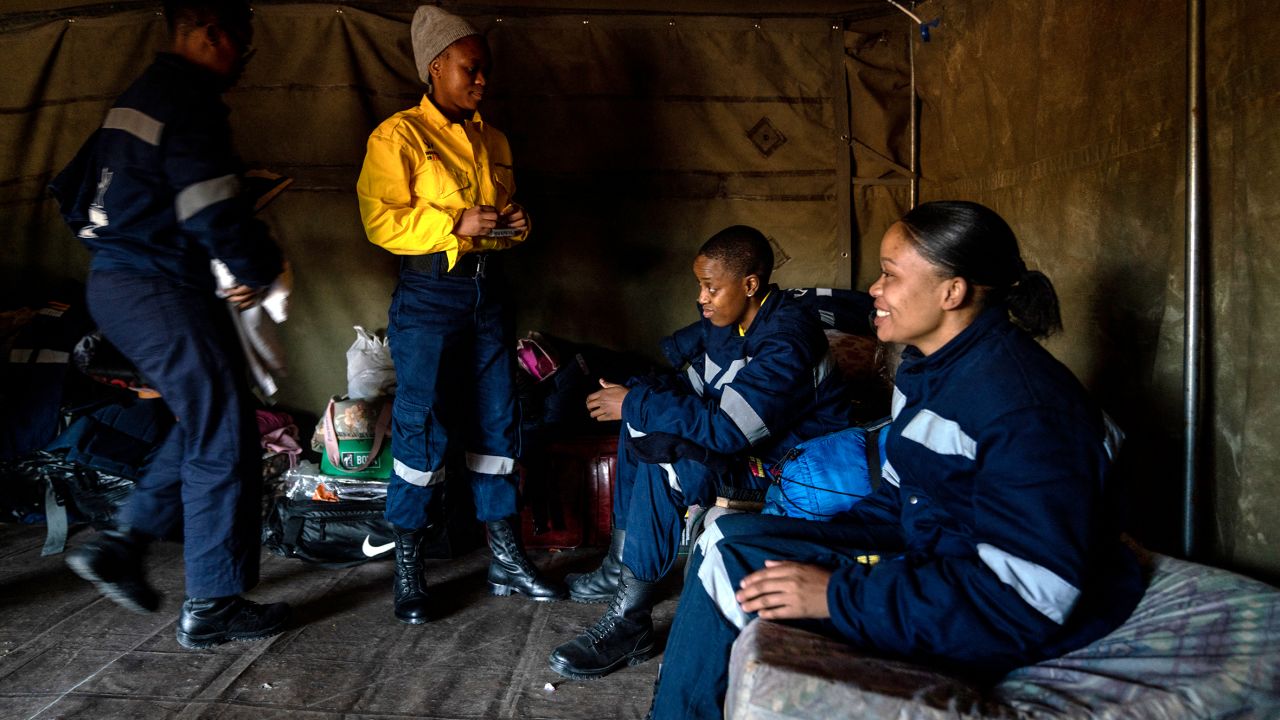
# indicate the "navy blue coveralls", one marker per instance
pixel 453 329
pixel 155 195
pixel 997 529
pixel 761 394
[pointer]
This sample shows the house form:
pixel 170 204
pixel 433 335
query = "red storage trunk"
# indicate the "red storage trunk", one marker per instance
pixel 567 490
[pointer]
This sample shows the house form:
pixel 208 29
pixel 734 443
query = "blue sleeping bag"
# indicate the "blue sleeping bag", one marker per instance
pixel 825 476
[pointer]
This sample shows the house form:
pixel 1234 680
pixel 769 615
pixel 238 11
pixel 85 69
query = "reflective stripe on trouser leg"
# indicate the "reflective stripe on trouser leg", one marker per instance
pixel 425 322
pixel 493 433
pixel 655 514
pixel 624 479
pixel 694 674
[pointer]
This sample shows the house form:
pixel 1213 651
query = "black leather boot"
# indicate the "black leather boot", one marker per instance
pixel 622 636
pixel 206 622
pixel 599 585
pixel 510 570
pixel 113 562
pixel 412 604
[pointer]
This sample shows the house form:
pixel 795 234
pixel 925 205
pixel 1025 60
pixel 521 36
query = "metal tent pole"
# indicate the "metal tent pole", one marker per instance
pixel 1193 323
pixel 915 122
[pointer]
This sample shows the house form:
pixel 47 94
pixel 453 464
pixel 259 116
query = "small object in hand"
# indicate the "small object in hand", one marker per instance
pixel 503 232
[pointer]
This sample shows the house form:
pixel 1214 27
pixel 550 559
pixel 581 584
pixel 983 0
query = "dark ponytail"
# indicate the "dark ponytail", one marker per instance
pixel 968 240
pixel 1033 304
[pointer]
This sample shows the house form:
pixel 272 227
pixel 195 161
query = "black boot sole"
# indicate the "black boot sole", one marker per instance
pixel 82 567
pixel 204 642
pixel 631 659
pixel 590 599
pixel 500 590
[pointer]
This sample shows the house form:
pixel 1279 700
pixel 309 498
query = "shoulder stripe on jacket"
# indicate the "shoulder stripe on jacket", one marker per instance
pixel 136 123
pixel 899 402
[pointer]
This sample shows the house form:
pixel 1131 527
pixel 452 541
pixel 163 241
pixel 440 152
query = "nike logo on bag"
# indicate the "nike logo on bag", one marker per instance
pixel 371 550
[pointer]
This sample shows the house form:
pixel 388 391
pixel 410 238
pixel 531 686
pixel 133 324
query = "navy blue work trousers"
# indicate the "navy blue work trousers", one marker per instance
pixel 453 346
pixel 695 667
pixel 650 500
pixel 206 474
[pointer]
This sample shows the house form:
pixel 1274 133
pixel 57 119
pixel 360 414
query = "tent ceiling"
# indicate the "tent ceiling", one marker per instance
pixel 16 12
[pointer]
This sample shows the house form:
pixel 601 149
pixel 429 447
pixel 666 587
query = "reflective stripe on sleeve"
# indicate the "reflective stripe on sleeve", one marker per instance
pixel 421 478
pixel 198 196
pixel 940 435
pixel 709 368
pixel 695 380
pixel 743 415
pixel 136 123
pixel 732 372
pixel 673 480
pixel 490 464
pixel 1043 589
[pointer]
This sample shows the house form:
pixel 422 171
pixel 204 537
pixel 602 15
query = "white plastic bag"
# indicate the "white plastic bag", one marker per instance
pixel 370 372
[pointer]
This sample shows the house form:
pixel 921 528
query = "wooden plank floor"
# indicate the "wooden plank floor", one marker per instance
pixel 67 652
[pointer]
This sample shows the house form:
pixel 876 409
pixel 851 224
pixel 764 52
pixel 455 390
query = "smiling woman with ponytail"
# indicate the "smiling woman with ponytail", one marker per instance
pixel 968 240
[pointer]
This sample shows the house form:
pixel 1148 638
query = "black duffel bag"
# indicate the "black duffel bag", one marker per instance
pixel 332 533
pixel 350 532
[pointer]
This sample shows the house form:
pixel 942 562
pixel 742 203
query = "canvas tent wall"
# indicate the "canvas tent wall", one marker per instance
pixel 632 129
pixel 637 135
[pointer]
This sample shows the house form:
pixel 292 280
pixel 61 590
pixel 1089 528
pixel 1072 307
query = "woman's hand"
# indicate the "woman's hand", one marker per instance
pixel 476 221
pixel 513 217
pixel 606 404
pixel 786 590
pixel 243 296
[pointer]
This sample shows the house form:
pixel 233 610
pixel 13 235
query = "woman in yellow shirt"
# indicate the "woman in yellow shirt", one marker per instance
pixel 436 189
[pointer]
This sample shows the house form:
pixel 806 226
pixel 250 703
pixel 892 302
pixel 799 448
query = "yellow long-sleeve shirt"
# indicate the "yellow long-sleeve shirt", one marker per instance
pixel 421 171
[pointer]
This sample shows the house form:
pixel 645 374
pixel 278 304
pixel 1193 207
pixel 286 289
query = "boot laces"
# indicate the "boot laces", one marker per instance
pixel 407 570
pixel 506 537
pixel 603 627
pixel 610 619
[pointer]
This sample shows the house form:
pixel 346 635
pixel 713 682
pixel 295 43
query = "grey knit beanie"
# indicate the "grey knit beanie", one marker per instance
pixel 432 31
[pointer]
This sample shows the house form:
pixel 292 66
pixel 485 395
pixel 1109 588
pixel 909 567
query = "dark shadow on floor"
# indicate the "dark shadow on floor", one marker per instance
pixel 66 652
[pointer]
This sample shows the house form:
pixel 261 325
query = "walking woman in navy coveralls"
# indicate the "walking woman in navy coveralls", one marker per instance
pixel 993 541
pixel 155 196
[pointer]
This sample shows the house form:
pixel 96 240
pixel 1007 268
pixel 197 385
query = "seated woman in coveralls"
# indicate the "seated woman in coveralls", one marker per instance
pixel 994 532
pixel 762 381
